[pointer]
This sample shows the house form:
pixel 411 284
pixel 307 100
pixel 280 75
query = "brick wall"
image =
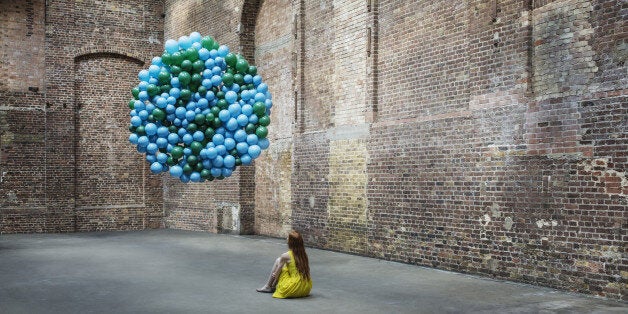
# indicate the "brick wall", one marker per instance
pixel 65 160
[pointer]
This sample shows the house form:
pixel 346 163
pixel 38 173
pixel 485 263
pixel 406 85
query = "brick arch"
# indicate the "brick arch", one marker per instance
pixel 250 10
pixel 88 53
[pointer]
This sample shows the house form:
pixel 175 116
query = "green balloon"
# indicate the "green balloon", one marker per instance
pixel 192 127
pixel 238 78
pixel 166 58
pixel 185 94
pixel 222 104
pixel 196 147
pixel 209 117
pixel 216 124
pixel 173 129
pixel 259 109
pixel 231 60
pixel 163 77
pixel 238 162
pixel 187 169
pixel 170 161
pixel 175 70
pixel 261 131
pixel 176 152
pixel 186 65
pixel 202 90
pixel 196 79
pixel 250 128
pixel 135 92
pixel 242 66
pixel 184 78
pixel 165 88
pixel 205 173
pixel 227 79
pixel 252 70
pixel 198 66
pixel 152 90
pixel 192 160
pixel 264 121
pixel 199 118
pixel 199 167
pixel 220 95
pixel 215 111
pixel 191 54
pixel 140 130
pixel 215 46
pixel 159 114
pixel 177 58
pixel 207 42
pixel 132 104
pixel 209 133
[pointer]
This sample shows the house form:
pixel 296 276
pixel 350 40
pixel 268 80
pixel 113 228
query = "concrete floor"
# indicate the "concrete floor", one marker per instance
pixel 171 271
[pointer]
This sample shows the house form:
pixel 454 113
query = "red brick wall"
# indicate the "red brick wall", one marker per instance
pixel 64 154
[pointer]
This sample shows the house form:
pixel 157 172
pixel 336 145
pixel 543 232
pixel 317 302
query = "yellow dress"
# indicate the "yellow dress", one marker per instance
pixel 291 284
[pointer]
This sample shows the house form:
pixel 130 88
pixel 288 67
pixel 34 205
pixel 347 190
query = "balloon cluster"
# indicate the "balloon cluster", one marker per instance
pixel 199 111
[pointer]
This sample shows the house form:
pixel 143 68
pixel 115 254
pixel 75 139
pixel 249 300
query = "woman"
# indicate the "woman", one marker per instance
pixel 290 276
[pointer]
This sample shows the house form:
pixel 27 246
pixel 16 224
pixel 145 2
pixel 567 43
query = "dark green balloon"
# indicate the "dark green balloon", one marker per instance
pixel 192 127
pixel 176 152
pixel 196 147
pixel 165 88
pixel 163 77
pixel 227 79
pixel 198 66
pixel 199 167
pixel 132 104
pixel 184 78
pixel 259 108
pixel 170 161
pixel 185 94
pixel 177 58
pixel 199 118
pixel 159 114
pixel 140 130
pixel 207 42
pixel 261 131
pixel 175 70
pixel 252 70
pixel 205 173
pixel 238 162
pixel 242 66
pixel 202 90
pixel 222 104
pixel 238 79
pixel 187 169
pixel 191 54
pixel 166 58
pixel 135 92
pixel 173 129
pixel 215 111
pixel 250 128
pixel 231 60
pixel 264 121
pixel 209 133
pixel 220 95
pixel 216 124
pixel 186 65
pixel 209 117
pixel 196 79
pixel 192 160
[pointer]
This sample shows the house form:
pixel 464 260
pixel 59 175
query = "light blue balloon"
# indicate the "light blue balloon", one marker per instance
pixel 153 70
pixel 195 177
pixel 171 116
pixel 240 136
pixel 161 142
pixel 220 130
pixel 247 110
pixel 182 132
pixel 235 109
pixel 224 115
pixel 150 107
pixel 171 46
pixel 254 119
pixel 150 158
pixel 246 159
pixel 231 97
pixel 161 102
pixel 162 158
pixel 151 148
pixel 203 54
pixel 232 124
pixel 211 153
pixel 216 70
pixel 153 80
pixel 216 80
pixel 144 75
pixel 197 46
pixel 254 151
pixel 202 104
pixel 171 100
pixel 221 149
pixel 173 138
pixel 187 151
pixel 157 61
pixel 151 129
pixel 133 138
pixel 143 95
pixel 229 161
pixel 190 115
pixel 216 172
pixel 136 121
pixel 133 113
pixel 174 82
pixel 195 37
pixel 242 120
pixel 251 139
pixel 260 97
pixel 143 115
pixel 263 143
pixel 262 87
pixel 190 106
pixel 156 167
pixel 268 103
pixel 187 139
pixel 218 139
pixel 170 109
pixel 209 64
pixel 176 171
pixel 184 178
pixel 242 148
pixel 162 132
pixel 185 42
pixel 223 50
pixel 230 143
pixel 198 136
pixel 257 79
pixel 248 78
pixel 177 122
pixel 213 53
pixel 180 112
pixel 184 123
pixel 218 161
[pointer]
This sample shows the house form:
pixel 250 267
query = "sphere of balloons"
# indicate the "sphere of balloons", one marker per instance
pixel 199 110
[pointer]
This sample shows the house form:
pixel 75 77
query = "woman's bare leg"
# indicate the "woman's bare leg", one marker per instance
pixel 272 279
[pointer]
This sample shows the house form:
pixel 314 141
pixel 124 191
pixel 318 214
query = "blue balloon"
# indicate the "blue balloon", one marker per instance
pixel 203 54
pixel 198 136
pixel 251 139
pixel 143 96
pixel 263 143
pixel 195 177
pixel 151 148
pixel 174 82
pixel 239 136
pixel 162 131
pixel 202 103
pixel 248 78
pixel 151 129
pixel 216 172
pixel 216 80
pixel 246 159
pixel 170 109
pixel 218 139
pixel 207 164
pixel 136 121
pixel 254 151
pixel 254 119
pixel 213 53
pixel 235 109
pixel 161 102
pixel 187 139
pixel 224 115
pixel 133 138
pixel 171 100
pixel 209 64
pixel 161 142
pixel 218 161
pixel 182 132
pixel 262 88
pixel 151 158
pixel 242 120
pixel 211 153
pixel 231 97
pixel 222 151
pixel 184 178
pixel 242 148
pixel 229 161
pixel 260 97
pixel 175 92
pixel 220 130
pixel 157 61
pixel 153 70
pixel 247 110
pixel 171 46
pixel 268 103
pixel 230 143
pixel 257 79
pixel 142 141
pixel 162 158
pixel 176 171
pixel 156 167
pixel 150 107
pixel 232 124
pixel 144 75
pixel 185 42
pixel 180 112
pixel 190 115
pixel 143 85
pixel 223 50
pixel 195 37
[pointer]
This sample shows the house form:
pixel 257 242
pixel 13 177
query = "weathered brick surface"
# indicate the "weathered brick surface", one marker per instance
pixel 479 136
pixel 64 154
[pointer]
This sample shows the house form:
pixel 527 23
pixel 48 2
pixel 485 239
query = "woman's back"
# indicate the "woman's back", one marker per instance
pixel 291 283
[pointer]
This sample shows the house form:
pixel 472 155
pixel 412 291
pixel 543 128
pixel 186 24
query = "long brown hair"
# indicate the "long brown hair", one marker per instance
pixel 295 244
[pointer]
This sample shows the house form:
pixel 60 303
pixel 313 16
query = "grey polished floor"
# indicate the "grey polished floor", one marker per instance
pixel 171 271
